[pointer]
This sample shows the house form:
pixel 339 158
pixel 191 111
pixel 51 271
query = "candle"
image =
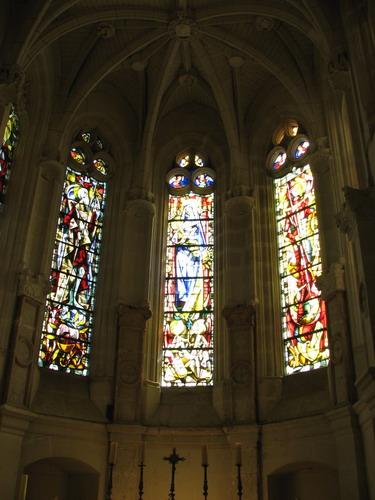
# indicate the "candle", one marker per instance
pixel 204 455
pixel 142 454
pixel 238 454
pixel 113 452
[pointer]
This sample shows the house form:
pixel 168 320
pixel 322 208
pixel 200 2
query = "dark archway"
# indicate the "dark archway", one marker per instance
pixel 61 478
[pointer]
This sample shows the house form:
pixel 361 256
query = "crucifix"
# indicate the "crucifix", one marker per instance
pixel 173 459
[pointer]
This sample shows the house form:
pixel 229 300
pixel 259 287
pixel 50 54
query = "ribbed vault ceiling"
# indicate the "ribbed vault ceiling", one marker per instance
pixel 219 54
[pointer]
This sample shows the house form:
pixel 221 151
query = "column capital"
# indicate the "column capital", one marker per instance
pixel 134 316
pixel 239 205
pixel 320 159
pixel 52 169
pixel 140 207
pixel 332 281
pixel 34 286
pixel 339 71
pixel 241 315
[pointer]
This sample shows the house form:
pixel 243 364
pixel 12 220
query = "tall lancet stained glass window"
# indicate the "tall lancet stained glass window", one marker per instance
pixel 303 312
pixel 188 320
pixel 10 134
pixel 69 314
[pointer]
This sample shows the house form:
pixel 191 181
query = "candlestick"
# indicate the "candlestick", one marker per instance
pixel 141 453
pixel 112 459
pixel 204 455
pixel 238 454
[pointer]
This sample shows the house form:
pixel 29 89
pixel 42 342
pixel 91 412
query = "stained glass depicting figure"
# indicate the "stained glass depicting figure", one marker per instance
pixel 7 150
pixel 189 291
pixel 68 320
pixel 304 319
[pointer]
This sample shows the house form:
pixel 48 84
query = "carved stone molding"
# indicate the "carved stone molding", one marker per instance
pixel 238 206
pixel 332 282
pixel 345 221
pixel 134 317
pixel 33 286
pixel 321 158
pixel 106 30
pixel 24 351
pixel 339 71
pixel 241 372
pixel 240 316
pixel 52 170
pixel 140 208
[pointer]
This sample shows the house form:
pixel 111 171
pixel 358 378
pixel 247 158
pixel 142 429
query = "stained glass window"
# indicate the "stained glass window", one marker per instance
pixel 7 150
pixel 304 319
pixel 69 315
pixel 188 323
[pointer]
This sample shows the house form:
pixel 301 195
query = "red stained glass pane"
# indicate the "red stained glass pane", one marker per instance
pixel 67 326
pixel 304 320
pixel 7 151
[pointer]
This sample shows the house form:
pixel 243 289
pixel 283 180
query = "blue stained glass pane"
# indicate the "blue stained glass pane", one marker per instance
pixel 203 181
pixel 188 294
pixel 178 181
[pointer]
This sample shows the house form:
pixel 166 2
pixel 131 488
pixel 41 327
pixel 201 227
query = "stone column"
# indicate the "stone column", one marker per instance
pixel 14 423
pixel 22 373
pixel 136 249
pixel 241 331
pixel 332 285
pixel 239 251
pixel 43 218
pixel 129 366
pixel 365 408
pixel 358 221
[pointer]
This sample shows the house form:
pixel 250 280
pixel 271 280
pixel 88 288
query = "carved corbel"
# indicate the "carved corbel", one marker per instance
pixel 33 286
pixel 339 71
pixel 238 206
pixel 320 159
pixel 332 282
pixel 240 316
pixel 345 221
pixel 134 317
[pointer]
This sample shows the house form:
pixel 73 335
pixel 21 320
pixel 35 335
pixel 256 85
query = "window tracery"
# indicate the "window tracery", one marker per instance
pixel 303 312
pixel 188 319
pixel 69 315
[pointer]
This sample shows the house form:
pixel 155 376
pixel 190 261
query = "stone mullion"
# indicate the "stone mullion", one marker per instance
pixel 358 221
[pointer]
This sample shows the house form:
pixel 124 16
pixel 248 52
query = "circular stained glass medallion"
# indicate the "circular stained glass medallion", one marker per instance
pixel 299 147
pixel 276 159
pixel 203 180
pixel 101 166
pixel 178 181
pixel 78 155
pixel 183 160
pixel 199 161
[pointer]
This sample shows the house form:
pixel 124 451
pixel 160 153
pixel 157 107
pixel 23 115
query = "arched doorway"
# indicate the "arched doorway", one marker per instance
pixel 304 482
pixel 61 479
